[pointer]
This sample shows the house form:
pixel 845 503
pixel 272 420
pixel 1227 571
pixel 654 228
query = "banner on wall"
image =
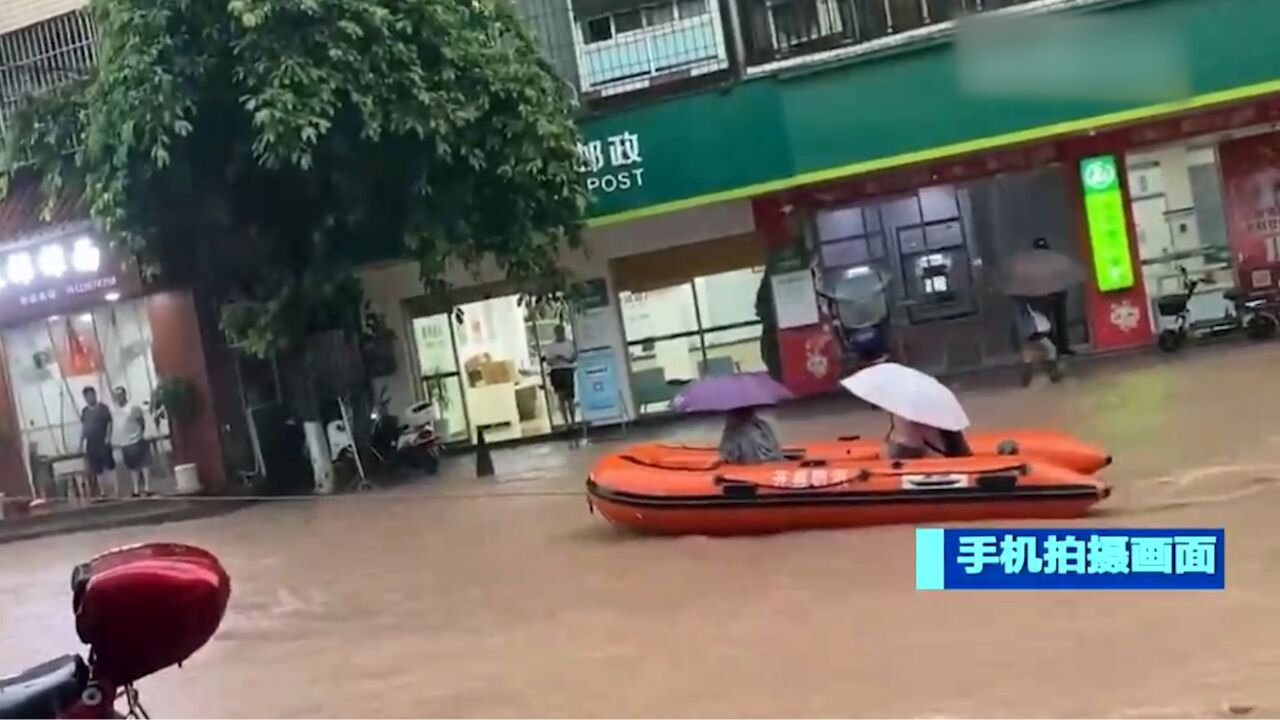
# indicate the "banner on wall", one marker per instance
pixel 599 394
pixel 79 355
pixel 1251 182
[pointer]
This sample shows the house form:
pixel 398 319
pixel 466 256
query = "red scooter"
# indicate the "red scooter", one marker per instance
pixel 140 609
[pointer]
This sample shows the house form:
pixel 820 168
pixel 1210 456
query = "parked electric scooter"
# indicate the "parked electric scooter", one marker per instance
pixel 412 444
pixel 858 303
pixel 1257 317
pixel 140 609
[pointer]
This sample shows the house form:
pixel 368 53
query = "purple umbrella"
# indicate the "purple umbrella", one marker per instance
pixel 722 393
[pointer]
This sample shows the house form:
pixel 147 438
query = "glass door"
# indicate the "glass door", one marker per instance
pixel 441 380
pixel 550 333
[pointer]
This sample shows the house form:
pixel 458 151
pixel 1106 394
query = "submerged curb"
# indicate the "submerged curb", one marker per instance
pixel 149 512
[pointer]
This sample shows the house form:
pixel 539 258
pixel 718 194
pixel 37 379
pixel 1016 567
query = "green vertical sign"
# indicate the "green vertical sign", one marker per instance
pixel 1108 230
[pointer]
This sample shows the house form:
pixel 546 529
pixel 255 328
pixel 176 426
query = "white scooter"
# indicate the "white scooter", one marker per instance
pixel 392 444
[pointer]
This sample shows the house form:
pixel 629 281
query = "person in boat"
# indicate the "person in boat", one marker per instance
pixel 748 439
pixel 909 440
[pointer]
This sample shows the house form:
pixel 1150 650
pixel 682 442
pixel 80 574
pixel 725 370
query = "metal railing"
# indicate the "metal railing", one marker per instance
pixel 42 56
pixel 779 29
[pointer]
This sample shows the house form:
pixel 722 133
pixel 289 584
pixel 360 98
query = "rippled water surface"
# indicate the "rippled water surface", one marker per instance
pixel 477 598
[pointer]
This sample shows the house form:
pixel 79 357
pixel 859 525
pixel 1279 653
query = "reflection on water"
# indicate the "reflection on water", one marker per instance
pixel 473 598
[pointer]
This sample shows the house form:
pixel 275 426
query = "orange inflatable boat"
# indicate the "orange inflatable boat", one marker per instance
pixel 1051 446
pixel 679 491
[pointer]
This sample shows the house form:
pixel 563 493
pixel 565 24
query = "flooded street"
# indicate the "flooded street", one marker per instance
pixel 476 598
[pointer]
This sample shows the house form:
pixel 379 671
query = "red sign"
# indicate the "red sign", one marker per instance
pixel 1119 320
pixel 810 360
pixel 1251 179
pixel 78 355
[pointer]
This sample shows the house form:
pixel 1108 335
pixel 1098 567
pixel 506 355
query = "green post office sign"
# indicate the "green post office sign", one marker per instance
pixel 1108 229
pixel 778 131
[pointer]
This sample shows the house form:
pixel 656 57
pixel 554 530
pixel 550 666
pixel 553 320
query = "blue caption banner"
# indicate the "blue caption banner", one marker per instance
pixel 1070 559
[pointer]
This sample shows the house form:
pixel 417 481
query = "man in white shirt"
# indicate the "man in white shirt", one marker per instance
pixel 562 360
pixel 130 437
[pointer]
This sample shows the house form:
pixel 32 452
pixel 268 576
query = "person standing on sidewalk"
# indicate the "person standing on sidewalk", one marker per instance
pixel 130 437
pixel 562 360
pixel 95 441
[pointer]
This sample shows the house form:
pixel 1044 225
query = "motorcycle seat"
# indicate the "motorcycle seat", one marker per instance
pixel 46 690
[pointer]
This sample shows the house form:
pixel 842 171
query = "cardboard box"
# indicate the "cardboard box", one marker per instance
pixel 499 372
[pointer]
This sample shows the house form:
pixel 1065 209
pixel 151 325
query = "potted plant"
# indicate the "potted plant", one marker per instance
pixel 173 399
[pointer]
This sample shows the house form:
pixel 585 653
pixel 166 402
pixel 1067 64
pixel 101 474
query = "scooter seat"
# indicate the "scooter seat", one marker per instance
pixel 46 690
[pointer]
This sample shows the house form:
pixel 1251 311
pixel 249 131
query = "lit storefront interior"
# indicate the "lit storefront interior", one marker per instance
pixel 681 325
pixel 72 320
pixel 1180 216
pixel 482 364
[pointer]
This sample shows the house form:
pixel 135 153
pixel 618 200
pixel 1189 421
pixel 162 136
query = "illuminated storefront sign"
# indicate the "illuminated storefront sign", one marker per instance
pixel 1108 229
pixel 58 274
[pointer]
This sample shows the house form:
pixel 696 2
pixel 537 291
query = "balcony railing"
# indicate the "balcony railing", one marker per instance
pixel 780 29
pixel 42 56
pixel 623 47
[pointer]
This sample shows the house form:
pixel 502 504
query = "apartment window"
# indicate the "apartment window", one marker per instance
pixel 691 8
pixel 607 27
pixel 597 29
pixel 39 57
pixel 655 15
pixel 777 29
pixel 628 21
pixel 906 14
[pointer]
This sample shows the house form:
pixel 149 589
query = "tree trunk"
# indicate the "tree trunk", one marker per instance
pixel 305 406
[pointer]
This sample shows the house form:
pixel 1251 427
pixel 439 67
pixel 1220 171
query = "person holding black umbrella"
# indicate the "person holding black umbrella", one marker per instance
pixel 1038 280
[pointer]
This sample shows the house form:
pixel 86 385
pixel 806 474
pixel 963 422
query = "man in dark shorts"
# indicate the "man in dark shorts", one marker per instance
pixel 131 430
pixel 562 360
pixel 95 440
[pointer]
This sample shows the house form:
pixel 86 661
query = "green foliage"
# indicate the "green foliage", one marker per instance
pixel 174 398
pixel 252 147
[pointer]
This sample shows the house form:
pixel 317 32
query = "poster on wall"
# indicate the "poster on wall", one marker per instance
pixel 1251 182
pixel 599 395
pixel 810 360
pixel 795 299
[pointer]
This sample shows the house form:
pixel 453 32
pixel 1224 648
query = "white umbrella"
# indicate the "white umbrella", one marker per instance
pixel 909 394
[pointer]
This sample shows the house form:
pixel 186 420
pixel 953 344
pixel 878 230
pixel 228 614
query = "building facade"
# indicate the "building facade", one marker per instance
pixel 736 145
pixel 742 153
pixel 75 314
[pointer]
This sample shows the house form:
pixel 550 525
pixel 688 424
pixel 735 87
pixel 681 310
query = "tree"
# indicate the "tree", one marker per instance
pixel 257 150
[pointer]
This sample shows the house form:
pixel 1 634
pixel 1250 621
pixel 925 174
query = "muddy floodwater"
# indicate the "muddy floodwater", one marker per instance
pixel 469 598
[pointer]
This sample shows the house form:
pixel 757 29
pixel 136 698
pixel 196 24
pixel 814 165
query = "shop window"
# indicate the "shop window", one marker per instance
pixel 699 328
pixel 51 363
